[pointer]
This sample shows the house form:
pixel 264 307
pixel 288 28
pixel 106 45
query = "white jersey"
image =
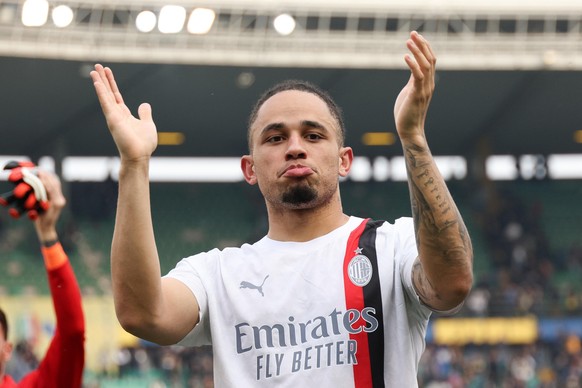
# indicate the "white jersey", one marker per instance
pixel 336 311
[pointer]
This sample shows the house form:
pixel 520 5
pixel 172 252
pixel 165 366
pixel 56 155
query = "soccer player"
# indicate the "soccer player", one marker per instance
pixel 62 365
pixel 324 299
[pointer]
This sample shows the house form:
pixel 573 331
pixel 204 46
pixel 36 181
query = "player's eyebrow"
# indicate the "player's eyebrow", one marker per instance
pixel 272 126
pixel 313 124
pixel 304 123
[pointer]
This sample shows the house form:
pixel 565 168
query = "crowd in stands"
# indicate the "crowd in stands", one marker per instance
pixel 540 365
pixel 524 272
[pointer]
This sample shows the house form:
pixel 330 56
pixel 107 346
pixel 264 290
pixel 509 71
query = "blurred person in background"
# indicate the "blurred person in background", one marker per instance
pixel 62 365
pixel 324 299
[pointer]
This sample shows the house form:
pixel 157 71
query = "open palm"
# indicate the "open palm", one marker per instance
pixel 412 103
pixel 135 138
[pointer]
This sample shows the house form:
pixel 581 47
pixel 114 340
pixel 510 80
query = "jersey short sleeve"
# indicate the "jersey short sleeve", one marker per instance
pixel 409 252
pixel 187 274
pixel 406 250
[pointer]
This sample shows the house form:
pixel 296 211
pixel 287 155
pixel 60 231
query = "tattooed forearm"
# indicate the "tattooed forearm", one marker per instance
pixel 431 203
pixel 442 273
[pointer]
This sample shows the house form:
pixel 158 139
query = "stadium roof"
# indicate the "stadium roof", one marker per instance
pixel 509 78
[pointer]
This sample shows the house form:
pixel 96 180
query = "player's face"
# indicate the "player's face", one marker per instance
pixel 297 158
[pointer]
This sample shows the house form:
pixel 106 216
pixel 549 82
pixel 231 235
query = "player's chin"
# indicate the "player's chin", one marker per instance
pixel 300 196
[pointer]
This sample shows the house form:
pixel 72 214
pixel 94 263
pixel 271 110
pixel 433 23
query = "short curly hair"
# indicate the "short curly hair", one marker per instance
pixel 302 86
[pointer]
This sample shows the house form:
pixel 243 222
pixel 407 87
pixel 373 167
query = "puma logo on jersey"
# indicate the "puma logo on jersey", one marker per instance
pixel 245 284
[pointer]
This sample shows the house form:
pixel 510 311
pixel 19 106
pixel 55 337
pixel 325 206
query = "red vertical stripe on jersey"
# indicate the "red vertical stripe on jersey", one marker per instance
pixel 355 300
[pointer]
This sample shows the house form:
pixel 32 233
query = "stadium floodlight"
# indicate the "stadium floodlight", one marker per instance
pixel 146 21
pixel 62 16
pixel 200 21
pixel 35 13
pixel 171 19
pixel 284 24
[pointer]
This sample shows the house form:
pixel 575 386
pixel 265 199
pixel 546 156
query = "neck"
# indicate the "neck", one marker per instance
pixel 302 225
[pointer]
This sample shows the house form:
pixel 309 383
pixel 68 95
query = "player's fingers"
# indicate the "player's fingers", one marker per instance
pixel 108 94
pixel 145 112
pixel 100 81
pixel 53 188
pixel 106 100
pixel 431 53
pixel 424 47
pixel 102 77
pixel 419 56
pixel 113 85
pixel 415 70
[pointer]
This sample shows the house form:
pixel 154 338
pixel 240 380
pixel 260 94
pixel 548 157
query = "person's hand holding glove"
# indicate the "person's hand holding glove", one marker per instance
pixel 29 195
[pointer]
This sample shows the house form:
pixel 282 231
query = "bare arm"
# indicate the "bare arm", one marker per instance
pixel 162 311
pixel 442 274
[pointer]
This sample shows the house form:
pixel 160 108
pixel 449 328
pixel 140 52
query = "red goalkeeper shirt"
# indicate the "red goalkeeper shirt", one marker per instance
pixel 62 365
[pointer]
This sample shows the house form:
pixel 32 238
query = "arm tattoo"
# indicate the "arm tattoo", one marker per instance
pixel 441 236
pixel 421 283
pixel 432 207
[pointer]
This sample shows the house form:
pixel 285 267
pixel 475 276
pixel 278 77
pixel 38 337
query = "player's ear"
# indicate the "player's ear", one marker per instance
pixel 346 157
pixel 248 169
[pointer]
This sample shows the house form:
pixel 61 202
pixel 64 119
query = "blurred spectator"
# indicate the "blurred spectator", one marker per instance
pixel 23 361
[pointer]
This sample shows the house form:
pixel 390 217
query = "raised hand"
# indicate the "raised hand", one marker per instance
pixel 46 222
pixel 135 138
pixel 412 103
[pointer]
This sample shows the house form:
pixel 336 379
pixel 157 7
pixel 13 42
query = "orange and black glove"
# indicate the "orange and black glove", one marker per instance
pixel 29 195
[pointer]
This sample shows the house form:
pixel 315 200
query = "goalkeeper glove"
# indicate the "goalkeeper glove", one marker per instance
pixel 28 195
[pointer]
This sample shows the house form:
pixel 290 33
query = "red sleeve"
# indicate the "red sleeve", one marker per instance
pixel 8 382
pixel 62 365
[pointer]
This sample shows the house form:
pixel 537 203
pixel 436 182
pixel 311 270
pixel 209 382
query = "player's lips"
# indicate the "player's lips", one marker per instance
pixel 296 171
